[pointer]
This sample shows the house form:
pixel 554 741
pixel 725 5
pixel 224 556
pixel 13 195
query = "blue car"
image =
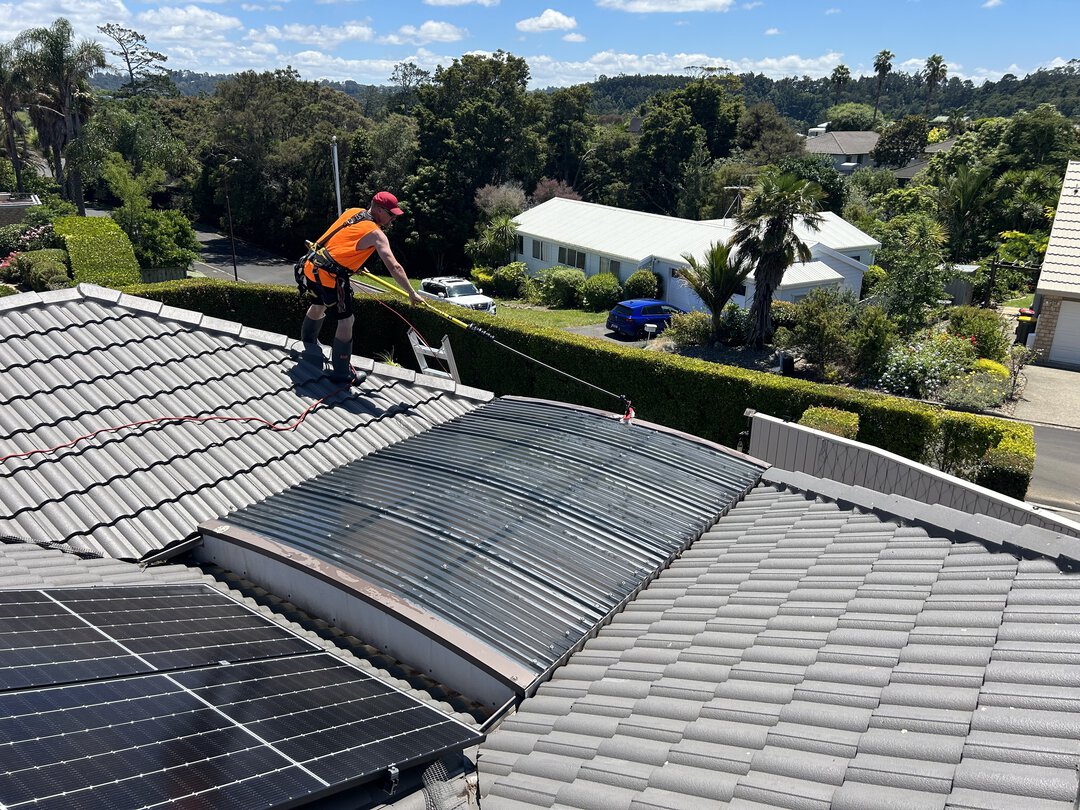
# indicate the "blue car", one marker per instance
pixel 629 317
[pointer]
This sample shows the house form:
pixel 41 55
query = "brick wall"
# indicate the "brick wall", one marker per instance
pixel 1047 324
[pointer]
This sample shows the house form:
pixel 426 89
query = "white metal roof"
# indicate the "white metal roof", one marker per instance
pixel 802 274
pixel 636 235
pixel 1061 266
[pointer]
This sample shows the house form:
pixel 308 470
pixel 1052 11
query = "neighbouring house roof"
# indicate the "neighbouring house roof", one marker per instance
pixel 1060 274
pixel 89 359
pixel 637 236
pixel 842 143
pixel 806 274
pixel 809 653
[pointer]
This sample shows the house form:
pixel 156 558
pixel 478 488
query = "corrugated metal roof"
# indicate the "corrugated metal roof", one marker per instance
pixel 1061 265
pixel 636 236
pixel 803 273
pixel 805 654
pixel 522 524
pixel 87 359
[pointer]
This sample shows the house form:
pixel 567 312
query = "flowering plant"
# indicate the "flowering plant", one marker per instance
pixel 919 369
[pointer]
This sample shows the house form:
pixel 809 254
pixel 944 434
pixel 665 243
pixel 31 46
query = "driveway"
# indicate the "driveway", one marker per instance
pixel 1051 403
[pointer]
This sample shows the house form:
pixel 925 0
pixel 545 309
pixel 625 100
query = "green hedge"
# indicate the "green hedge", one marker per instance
pixel 99 252
pixel 831 420
pixel 698 397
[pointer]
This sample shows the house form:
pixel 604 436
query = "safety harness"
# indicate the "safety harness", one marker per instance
pixel 320 257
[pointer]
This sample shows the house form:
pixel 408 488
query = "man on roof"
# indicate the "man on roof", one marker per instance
pixel 323 276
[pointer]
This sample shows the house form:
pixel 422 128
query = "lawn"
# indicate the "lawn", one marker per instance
pixel 519 312
pixel 1022 301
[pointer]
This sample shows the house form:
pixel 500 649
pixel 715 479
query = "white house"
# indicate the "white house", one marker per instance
pixel 603 239
pixel 1057 335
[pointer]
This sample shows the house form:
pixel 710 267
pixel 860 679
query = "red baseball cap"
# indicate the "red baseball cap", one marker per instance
pixel 384 199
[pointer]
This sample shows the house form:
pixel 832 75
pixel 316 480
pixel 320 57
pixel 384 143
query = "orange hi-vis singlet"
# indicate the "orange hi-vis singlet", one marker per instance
pixel 341 245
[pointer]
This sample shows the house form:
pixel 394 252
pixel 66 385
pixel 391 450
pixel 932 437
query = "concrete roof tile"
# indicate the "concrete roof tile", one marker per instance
pixel 866 697
pixel 590 725
pixel 1053 784
pixel 617 773
pixel 912 745
pixel 911 774
pixel 784 791
pixel 1027 696
pixel 807 765
pixel 605 705
pixel 926 721
pixel 581 746
pixel 696 782
pixel 862 796
pixel 548 766
pixel 1026 722
pixel 801 737
pixel 968 799
pixel 931 697
pixel 711 756
pixel 845 718
pixel 534 791
pixel 663 729
pixel 938 674
pixel 635 749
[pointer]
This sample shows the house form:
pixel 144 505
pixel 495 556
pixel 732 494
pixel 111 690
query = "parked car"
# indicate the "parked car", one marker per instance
pixel 459 291
pixel 629 317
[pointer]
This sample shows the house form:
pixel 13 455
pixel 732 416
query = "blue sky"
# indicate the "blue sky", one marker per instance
pixel 567 42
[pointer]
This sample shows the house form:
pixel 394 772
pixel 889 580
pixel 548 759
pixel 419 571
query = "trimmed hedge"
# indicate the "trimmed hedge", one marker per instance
pixel 99 252
pixel 695 396
pixel 831 420
pixel 43 269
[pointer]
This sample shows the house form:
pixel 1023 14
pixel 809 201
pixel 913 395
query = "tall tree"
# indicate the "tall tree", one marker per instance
pixel 962 203
pixel 14 88
pixel 839 79
pixel 934 75
pixel 717 277
pixel 145 68
pixel 766 233
pixel 882 67
pixel 60 68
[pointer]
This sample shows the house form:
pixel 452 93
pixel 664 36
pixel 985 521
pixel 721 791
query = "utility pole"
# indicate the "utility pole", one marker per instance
pixel 228 213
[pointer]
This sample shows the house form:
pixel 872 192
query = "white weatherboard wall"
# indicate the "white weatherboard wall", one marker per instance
pixel 790 446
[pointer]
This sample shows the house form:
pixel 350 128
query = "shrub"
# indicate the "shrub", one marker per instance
pixel 511 281
pixel 690 329
pixel 872 337
pixel 99 252
pixel 991 367
pixel 734 325
pixel 482 278
pixel 831 420
pixel 561 287
pixel 641 284
pixel 42 270
pixel 601 292
pixel 6 291
pixel 9 269
pixel 21 237
pixel 872 279
pixel 985 327
pixel 784 313
pixel 928 363
pixel 821 325
pixel 1006 467
pixel 973 392
pixel 165 239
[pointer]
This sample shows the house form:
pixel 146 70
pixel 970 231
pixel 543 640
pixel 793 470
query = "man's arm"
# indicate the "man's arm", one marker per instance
pixel 382 246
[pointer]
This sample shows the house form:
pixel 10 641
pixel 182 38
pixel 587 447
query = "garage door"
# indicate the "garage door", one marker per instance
pixel 1066 345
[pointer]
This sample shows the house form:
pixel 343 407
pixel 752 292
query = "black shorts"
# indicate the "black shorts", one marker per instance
pixel 338 299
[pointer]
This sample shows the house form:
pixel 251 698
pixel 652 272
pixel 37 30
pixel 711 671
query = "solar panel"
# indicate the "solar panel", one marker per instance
pixel 242 714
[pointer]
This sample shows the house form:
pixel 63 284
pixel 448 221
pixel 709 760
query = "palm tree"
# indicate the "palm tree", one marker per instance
pixel 766 233
pixel 839 80
pixel 882 67
pixel 60 67
pixel 717 277
pixel 962 200
pixel 934 75
pixel 14 87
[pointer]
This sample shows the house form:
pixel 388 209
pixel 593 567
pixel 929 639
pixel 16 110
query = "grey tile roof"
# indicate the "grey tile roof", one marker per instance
pixel 86 359
pixel 843 143
pixel 805 654
pixel 1061 266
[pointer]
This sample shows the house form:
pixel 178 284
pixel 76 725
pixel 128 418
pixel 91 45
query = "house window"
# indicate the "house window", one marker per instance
pixel 539 251
pixel 519 244
pixel 609 266
pixel 571 258
pixel 741 290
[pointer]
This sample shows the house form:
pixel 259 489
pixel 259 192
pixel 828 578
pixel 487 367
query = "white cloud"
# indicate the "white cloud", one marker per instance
pixel 992 3
pixel 329 36
pixel 184 26
pixel 257 7
pixel 831 11
pixel 752 5
pixel 83 16
pixel 573 38
pixel 429 31
pixel 665 6
pixel 550 20
pixel 460 2
pixel 771 32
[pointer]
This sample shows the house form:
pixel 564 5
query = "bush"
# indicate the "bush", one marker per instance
pixel 601 292
pixel 784 313
pixel 511 281
pixel 561 287
pixel 482 278
pixel 985 327
pixel 165 239
pixel 734 325
pixel 991 367
pixel 973 392
pixel 690 329
pixel 923 367
pixel 99 252
pixel 872 279
pixel 9 269
pixel 873 336
pixel 1006 467
pixel 42 270
pixel 22 237
pixel 641 284
pixel 831 420
pixel 5 291
pixel 821 325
